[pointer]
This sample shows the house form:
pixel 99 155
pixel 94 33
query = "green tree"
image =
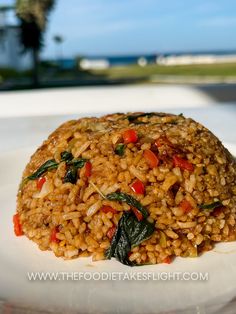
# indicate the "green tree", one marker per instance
pixel 33 19
pixel 58 39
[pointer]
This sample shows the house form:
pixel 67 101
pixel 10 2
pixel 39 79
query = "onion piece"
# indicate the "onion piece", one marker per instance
pixel 46 189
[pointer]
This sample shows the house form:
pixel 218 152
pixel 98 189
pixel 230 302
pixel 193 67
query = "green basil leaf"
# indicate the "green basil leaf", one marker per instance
pixel 129 233
pixel 138 231
pixel 78 162
pixel 73 165
pixel 66 156
pixel 121 245
pixel 123 197
pixel 211 206
pixel 72 171
pixel 120 149
pixel 48 165
pixel 71 175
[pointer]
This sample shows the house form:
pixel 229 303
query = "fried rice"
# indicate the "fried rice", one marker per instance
pixel 140 187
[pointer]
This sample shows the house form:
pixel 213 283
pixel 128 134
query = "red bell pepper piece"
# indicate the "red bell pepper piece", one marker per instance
pixel 182 163
pixel 17 225
pixel 53 237
pixel 151 158
pixel 186 206
pixel 137 213
pixel 88 169
pixel 108 209
pixel 138 187
pixel 111 232
pixel 130 136
pixel 40 182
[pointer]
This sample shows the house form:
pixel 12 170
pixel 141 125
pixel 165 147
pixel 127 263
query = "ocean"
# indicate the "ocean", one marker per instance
pixel 124 60
pixel 118 60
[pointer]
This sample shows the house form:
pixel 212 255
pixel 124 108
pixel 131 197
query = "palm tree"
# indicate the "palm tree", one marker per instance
pixel 33 19
pixel 58 39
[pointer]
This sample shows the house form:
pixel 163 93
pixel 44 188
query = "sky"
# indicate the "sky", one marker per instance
pixel 113 27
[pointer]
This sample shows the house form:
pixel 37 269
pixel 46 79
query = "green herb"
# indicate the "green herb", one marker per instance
pixel 71 175
pixel 211 206
pixel 72 171
pixel 123 197
pixel 78 162
pixel 120 149
pixel 66 156
pixel 129 233
pixel 48 165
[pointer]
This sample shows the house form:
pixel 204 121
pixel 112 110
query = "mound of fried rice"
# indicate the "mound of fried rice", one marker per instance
pixel 190 200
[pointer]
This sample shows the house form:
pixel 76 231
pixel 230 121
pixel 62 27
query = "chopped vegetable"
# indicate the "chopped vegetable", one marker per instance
pixel 53 237
pixel 138 187
pixel 66 156
pixel 167 260
pixel 123 197
pixel 108 209
pixel 48 165
pixel 151 158
pixel 182 163
pixel 71 175
pixel 111 232
pixel 72 171
pixel 129 233
pixel 130 136
pixel 88 169
pixel 78 162
pixel 44 191
pixel 17 225
pixel 120 149
pixel 218 210
pixel 40 182
pixel 211 206
pixel 52 164
pixel 185 206
pixel 137 213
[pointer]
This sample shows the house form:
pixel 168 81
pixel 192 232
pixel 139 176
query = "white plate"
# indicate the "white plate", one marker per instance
pixel 19 256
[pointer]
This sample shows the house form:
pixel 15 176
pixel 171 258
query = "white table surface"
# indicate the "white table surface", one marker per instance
pixel 107 99
pixel 22 132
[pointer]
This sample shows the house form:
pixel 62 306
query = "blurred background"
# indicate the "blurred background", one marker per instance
pixel 56 43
